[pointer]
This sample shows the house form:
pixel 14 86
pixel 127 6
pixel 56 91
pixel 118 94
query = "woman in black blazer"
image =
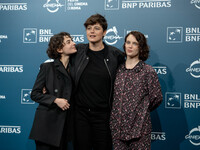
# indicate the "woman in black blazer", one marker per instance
pixel 52 117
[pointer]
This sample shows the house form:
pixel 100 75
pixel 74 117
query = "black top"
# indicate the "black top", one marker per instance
pixel 95 83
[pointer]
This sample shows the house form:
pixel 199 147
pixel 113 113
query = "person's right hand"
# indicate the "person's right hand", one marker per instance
pixel 62 103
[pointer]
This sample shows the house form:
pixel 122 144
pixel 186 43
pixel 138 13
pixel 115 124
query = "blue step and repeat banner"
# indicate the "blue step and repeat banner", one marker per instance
pixel 172 28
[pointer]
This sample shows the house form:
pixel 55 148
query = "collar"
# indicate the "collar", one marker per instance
pixel 105 48
pixel 59 66
pixel 137 68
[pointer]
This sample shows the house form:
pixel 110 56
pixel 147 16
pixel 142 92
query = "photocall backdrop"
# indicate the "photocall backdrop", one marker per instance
pixel 172 28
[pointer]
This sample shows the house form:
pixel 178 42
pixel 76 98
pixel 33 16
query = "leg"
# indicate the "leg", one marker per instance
pixel 43 146
pixel 101 135
pixel 82 131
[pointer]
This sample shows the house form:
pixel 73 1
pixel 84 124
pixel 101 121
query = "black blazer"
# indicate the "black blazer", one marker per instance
pixel 49 121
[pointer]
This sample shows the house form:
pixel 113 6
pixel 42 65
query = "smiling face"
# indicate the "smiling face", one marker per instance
pixel 95 33
pixel 132 47
pixel 68 46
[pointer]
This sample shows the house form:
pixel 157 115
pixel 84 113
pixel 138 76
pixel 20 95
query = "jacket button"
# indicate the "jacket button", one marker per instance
pixel 56 90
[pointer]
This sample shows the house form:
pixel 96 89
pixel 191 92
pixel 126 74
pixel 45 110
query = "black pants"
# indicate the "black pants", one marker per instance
pixel 92 130
pixel 43 146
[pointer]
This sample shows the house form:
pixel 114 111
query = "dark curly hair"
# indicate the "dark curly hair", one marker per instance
pixel 143 46
pixel 56 42
pixel 97 18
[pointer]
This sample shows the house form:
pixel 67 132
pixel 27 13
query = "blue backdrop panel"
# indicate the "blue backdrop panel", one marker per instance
pixel 172 28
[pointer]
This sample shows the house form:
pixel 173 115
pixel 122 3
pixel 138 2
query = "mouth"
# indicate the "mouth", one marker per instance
pixel 92 36
pixel 129 51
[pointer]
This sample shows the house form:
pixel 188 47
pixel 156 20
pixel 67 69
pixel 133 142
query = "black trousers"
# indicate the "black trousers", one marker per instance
pixel 92 130
pixel 43 146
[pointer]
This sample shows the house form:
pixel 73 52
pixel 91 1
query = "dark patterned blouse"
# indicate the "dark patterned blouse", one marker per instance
pixel 137 92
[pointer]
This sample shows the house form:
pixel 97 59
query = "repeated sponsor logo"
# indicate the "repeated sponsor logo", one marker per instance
pixel 176 35
pixel 25 96
pixel 192 34
pixel 162 70
pixel 4 129
pixel 140 4
pixel 75 5
pixel 2 97
pixel 196 3
pixel 112 36
pixel 173 100
pixel 194 136
pixel 111 5
pixel 32 35
pixel 2 37
pixel 158 136
pixel 194 69
pixel 11 68
pixel 79 38
pixel 191 101
pixel 52 5
pixel 13 6
pixel 130 4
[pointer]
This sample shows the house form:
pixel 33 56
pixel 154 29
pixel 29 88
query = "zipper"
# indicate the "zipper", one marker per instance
pixel 110 81
pixel 79 67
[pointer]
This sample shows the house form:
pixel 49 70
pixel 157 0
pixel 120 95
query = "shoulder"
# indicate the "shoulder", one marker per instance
pixel 149 69
pixel 81 47
pixel 46 65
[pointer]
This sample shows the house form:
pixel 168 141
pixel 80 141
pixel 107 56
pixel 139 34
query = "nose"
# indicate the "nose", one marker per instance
pixel 92 30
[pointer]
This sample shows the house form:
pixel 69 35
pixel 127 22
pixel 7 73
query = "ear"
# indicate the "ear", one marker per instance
pixel 104 32
pixel 60 51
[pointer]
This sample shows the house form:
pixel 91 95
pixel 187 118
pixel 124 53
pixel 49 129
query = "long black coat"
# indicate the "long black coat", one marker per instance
pixel 49 121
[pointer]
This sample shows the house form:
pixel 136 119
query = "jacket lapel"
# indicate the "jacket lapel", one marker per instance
pixel 59 66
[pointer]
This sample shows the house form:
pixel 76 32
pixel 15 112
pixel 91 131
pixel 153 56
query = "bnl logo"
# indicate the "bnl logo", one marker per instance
pixel 174 34
pixel 111 4
pixel 30 35
pixel 173 100
pixel 25 96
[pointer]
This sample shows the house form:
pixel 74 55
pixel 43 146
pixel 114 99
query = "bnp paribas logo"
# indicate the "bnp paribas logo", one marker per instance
pixel 26 96
pixel 111 4
pixel 173 100
pixel 174 34
pixel 30 35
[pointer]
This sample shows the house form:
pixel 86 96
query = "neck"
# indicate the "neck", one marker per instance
pixel 65 61
pixel 96 46
pixel 131 62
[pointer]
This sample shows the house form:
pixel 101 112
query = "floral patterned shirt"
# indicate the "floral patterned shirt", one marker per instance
pixel 137 92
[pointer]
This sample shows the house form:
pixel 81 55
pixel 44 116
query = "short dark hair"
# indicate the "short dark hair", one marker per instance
pixel 143 46
pixel 97 18
pixel 56 42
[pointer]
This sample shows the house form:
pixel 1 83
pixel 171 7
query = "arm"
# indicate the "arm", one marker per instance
pixel 40 95
pixel 37 91
pixel 155 93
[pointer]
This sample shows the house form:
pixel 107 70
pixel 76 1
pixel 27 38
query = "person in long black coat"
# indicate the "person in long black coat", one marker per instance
pixel 52 117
